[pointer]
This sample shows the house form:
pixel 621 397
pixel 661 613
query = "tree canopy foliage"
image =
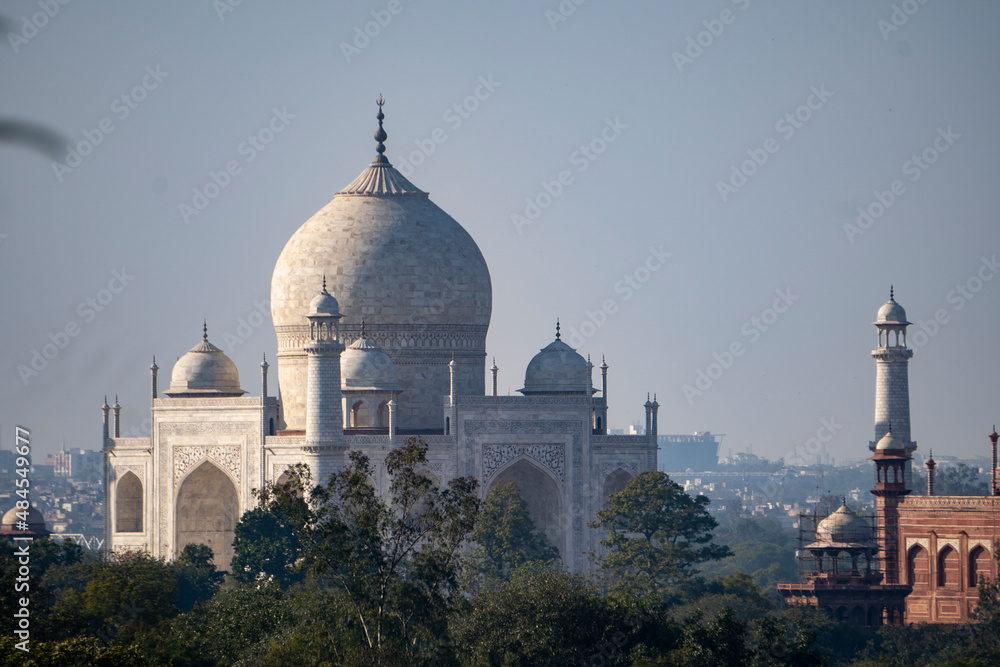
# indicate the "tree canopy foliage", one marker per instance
pixel 656 534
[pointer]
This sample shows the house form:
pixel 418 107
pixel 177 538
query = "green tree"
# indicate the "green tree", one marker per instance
pixel 237 626
pixel 197 578
pixel 394 563
pixel 722 641
pixel 505 537
pixel 264 547
pixel 540 616
pixel 656 534
pixel 117 597
pixel 77 651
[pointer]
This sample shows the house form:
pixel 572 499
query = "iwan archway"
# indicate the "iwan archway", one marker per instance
pixel 208 508
pixel 542 495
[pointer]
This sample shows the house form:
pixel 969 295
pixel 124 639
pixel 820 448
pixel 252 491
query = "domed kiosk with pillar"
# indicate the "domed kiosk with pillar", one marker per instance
pixel 381 304
pixel 842 572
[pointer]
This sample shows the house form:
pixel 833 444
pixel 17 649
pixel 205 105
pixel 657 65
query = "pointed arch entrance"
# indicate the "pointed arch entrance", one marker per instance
pixel 208 508
pixel 542 495
pixel 128 504
pixel 614 483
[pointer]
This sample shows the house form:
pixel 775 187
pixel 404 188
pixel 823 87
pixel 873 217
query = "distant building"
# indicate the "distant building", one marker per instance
pixel 698 452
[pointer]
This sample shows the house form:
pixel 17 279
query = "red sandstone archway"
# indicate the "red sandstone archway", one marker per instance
pixel 917 566
pixel 979 564
pixel 948 567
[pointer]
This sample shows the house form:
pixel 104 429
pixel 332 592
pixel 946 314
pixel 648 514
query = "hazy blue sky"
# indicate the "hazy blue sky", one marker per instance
pixel 833 100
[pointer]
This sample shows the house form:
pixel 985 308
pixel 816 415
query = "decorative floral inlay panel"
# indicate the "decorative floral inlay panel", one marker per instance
pixel 227 456
pixel 552 457
pixel 139 471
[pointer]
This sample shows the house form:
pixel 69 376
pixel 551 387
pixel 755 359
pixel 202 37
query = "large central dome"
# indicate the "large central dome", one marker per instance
pixel 395 259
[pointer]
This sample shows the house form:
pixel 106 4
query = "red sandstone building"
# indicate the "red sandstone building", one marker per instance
pixel 929 552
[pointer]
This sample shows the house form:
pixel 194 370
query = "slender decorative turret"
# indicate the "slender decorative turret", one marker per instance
pixel 451 380
pixel 105 410
pixel 649 415
pixel 324 409
pixel 392 416
pixel 656 410
pixel 601 404
pixel 494 369
pixel 263 377
pixel 153 369
pixel 118 418
pixel 930 464
pixel 604 378
pixel 994 488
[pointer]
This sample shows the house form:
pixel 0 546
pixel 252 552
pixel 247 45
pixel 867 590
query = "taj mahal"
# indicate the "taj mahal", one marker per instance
pixel 381 303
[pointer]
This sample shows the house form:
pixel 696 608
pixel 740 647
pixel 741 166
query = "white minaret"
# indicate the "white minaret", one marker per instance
pixel 324 412
pixel 892 385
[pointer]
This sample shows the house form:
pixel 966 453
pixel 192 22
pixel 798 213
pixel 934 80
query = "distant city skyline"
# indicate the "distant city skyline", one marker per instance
pixel 715 198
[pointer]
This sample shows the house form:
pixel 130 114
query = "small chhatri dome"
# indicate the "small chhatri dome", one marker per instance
pixel 843 527
pixel 204 371
pixel 891 312
pixel 557 369
pixel 323 304
pixel 364 366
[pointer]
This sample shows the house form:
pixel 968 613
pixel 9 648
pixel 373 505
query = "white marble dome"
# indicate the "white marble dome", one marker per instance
pixel 204 371
pixel 392 257
pixel 389 257
pixel 364 366
pixel 556 369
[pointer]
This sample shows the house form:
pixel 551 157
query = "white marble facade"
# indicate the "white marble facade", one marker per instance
pixel 415 300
